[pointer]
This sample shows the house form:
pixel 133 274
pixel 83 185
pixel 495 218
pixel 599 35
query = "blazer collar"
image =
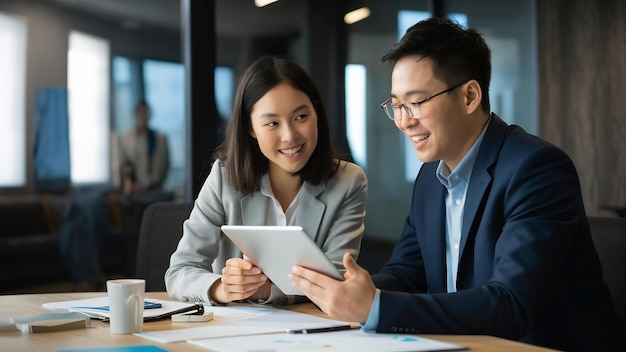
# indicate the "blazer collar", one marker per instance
pixel 492 143
pixel 311 208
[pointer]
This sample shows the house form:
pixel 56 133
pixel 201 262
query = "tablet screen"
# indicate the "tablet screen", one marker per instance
pixel 276 249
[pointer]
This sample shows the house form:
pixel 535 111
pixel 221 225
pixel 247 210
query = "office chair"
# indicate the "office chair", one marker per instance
pixel 161 229
pixel 609 238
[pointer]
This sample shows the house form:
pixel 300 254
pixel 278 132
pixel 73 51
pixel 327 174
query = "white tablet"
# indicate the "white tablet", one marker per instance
pixel 276 249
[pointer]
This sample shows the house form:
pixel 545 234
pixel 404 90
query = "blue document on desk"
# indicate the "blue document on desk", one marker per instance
pixel 147 348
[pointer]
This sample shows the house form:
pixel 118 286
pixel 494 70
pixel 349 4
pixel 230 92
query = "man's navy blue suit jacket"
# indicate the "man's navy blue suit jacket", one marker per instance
pixel 527 270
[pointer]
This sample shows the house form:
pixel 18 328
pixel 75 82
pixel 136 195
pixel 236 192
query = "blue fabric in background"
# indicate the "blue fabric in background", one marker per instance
pixel 52 144
pixel 83 229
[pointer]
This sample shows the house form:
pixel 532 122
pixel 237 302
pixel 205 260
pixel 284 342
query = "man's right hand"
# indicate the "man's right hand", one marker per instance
pixel 347 300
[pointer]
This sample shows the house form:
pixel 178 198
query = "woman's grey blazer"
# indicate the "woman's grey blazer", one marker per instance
pixel 332 213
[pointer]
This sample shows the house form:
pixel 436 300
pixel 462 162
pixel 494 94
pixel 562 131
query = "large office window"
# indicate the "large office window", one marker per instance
pixel 161 84
pixel 88 94
pixel 12 105
pixel 509 29
pixel 224 91
pixel 164 84
pixel 127 91
pixel 355 112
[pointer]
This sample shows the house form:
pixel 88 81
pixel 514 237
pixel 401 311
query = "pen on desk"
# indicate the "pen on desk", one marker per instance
pixel 327 329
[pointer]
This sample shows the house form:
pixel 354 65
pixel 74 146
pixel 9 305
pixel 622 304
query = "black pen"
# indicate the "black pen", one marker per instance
pixel 327 329
pixel 196 309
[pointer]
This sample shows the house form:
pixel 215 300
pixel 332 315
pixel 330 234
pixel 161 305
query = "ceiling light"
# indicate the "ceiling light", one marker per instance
pixel 357 15
pixel 261 3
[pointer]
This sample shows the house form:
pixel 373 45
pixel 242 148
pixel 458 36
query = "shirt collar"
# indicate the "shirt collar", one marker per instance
pixel 266 187
pixel 464 169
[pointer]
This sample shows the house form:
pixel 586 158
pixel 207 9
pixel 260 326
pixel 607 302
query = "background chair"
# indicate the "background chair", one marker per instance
pixel 161 229
pixel 609 238
pixel 374 253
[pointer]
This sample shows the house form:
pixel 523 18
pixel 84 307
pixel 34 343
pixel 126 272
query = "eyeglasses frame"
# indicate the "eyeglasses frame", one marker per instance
pixel 417 104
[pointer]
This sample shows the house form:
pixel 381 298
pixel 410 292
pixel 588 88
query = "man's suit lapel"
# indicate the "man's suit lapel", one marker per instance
pixel 436 250
pixel 430 227
pixel 481 178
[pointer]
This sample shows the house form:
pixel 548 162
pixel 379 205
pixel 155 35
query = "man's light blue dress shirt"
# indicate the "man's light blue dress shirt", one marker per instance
pixel 456 183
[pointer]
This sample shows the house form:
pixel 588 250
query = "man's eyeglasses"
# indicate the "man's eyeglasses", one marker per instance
pixel 394 111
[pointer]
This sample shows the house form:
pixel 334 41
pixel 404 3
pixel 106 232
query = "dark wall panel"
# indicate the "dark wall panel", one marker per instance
pixel 582 45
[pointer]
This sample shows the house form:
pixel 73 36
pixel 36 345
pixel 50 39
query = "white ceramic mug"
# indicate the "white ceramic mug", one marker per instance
pixel 126 305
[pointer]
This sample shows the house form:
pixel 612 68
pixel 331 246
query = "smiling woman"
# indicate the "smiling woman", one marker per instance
pixel 277 167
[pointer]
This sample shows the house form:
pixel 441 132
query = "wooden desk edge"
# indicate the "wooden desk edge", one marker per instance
pixel 99 335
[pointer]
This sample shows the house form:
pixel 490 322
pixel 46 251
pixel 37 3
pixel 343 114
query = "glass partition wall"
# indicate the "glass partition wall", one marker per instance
pixel 144 54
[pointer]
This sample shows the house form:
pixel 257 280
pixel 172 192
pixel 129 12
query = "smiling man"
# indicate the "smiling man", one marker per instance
pixel 496 241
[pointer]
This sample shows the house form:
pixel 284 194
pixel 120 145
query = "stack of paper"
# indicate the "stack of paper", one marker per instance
pixel 238 328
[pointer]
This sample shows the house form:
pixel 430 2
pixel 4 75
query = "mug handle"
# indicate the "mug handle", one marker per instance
pixel 136 307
